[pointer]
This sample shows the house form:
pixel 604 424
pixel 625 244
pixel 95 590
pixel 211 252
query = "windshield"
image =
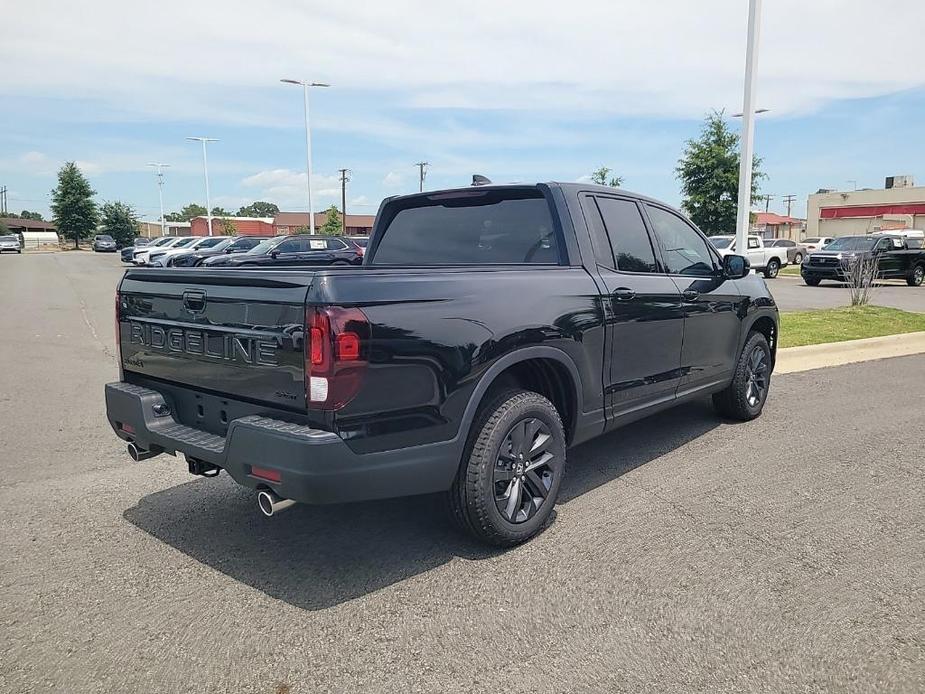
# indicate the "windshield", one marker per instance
pixel 812 240
pixel 721 242
pixel 182 242
pixel 9 238
pixel 104 238
pixel 211 242
pixel 851 243
pixel 264 246
pixel 163 240
pixel 361 242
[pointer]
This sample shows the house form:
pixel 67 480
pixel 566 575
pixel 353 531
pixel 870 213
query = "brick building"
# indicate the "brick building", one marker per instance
pixel 244 226
pixel 290 222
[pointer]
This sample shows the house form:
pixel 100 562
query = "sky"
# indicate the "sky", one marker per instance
pixel 515 90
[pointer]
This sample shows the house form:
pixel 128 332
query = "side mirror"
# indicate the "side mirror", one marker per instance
pixel 274 254
pixel 735 266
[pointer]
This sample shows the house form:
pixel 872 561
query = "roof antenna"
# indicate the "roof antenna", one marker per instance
pixel 479 180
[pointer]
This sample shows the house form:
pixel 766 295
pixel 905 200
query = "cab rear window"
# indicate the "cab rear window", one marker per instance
pixel 478 227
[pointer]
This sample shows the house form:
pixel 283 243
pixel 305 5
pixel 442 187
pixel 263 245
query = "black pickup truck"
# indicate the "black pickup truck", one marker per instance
pixel 489 329
pixel 894 257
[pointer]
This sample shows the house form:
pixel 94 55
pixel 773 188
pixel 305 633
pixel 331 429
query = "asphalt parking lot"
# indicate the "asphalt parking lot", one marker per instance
pixel 688 553
pixel 793 295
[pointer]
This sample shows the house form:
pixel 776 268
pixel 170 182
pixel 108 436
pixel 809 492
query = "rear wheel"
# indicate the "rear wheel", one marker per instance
pixel 509 479
pixel 744 398
pixel 798 259
pixel 916 277
pixel 772 268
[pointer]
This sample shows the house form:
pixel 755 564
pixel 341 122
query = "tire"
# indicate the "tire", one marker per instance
pixel 340 263
pixel 481 500
pixel 744 398
pixel 917 276
pixel 772 268
pixel 812 281
pixel 798 259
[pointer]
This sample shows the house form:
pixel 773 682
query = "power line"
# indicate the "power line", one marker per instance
pixel 789 200
pixel 422 168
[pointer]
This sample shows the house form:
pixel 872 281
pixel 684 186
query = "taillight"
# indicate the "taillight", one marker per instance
pixel 336 355
pixel 118 335
pixel 360 251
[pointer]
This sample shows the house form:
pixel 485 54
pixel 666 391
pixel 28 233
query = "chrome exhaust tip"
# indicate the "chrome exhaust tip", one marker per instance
pixel 138 454
pixel 271 503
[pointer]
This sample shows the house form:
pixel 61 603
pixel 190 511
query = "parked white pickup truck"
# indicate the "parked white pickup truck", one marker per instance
pixel 762 258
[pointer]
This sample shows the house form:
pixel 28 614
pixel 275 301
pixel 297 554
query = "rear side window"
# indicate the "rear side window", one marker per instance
pixel 684 250
pixel 628 236
pixel 470 228
pixel 335 244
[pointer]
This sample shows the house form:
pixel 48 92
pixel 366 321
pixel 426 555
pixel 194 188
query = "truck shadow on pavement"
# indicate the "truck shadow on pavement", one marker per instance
pixel 314 557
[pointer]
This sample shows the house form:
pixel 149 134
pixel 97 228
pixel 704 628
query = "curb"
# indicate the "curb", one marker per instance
pixel 794 359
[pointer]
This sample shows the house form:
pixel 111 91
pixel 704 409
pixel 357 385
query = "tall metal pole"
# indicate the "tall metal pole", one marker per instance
pixel 159 173
pixel 308 160
pixel 748 126
pixel 205 168
pixel 343 200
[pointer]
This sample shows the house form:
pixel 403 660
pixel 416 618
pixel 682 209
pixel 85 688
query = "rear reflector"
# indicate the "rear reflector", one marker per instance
pixel 348 347
pixel 265 474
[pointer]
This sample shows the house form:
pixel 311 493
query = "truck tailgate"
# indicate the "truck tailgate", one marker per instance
pixel 237 332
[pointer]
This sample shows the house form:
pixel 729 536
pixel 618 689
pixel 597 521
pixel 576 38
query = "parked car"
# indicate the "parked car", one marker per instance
pixel 141 255
pixel 104 243
pixel 488 330
pixel 194 258
pixel 817 243
pixel 162 257
pixel 10 242
pixel 768 260
pixel 360 242
pixel 301 249
pixel 795 251
pixel 895 260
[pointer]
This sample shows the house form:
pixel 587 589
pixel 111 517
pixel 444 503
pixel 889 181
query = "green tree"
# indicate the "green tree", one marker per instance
pixel 259 208
pixel 34 216
pixel 220 212
pixel 331 226
pixel 119 221
pixel 227 227
pixel 72 206
pixel 602 177
pixel 186 214
pixel 709 174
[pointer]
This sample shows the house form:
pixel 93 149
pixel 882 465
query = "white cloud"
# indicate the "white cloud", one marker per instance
pixel 287 188
pixel 393 179
pixel 662 58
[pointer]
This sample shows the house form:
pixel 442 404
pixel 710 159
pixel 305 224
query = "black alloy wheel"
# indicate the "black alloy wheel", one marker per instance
pixel 523 474
pixel 758 370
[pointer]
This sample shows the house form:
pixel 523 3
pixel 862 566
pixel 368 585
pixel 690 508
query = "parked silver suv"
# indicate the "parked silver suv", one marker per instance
pixel 10 243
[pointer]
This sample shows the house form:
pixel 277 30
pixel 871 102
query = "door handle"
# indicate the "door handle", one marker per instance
pixel 690 294
pixel 623 294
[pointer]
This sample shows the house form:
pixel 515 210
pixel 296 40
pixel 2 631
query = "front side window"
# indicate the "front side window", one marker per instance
pixel 685 251
pixel 629 239
pixel 478 227
pixel 289 246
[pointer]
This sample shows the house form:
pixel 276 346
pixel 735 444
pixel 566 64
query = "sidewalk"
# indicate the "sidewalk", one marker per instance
pixel 793 359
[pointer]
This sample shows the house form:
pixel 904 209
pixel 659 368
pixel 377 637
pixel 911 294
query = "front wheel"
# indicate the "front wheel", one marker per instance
pixel 916 277
pixel 744 398
pixel 509 479
pixel 772 268
pixel 812 281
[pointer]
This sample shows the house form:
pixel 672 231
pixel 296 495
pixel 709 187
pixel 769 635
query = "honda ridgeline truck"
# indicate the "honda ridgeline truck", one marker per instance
pixel 487 331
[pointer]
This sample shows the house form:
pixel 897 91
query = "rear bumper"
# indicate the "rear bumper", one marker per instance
pixel 315 466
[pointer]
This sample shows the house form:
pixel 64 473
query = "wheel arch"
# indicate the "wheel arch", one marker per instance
pixel 546 370
pixel 767 326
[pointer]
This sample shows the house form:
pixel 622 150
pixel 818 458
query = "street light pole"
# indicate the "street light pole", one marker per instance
pixel 159 172
pixel 205 168
pixel 305 84
pixel 748 126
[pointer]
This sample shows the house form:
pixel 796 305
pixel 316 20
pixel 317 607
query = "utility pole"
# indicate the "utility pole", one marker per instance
pixel 767 201
pixel 3 201
pixel 789 200
pixel 854 183
pixel 422 168
pixel 159 174
pixel 748 124
pixel 344 177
